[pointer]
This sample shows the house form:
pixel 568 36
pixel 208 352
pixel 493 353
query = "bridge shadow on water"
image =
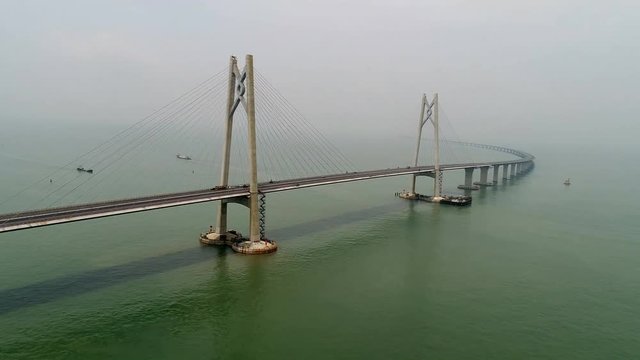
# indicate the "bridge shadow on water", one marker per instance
pixel 76 284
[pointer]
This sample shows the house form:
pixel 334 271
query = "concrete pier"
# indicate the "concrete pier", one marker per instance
pixel 513 170
pixel 484 177
pixel 505 172
pixel 215 238
pixel 468 180
pixel 251 247
pixel 496 168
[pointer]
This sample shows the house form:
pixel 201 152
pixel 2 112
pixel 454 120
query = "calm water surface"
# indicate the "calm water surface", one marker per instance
pixel 533 269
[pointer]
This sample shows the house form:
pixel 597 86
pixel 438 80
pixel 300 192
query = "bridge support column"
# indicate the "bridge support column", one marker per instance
pixel 505 172
pixel 468 180
pixel 484 175
pixel 221 236
pixel 496 168
pixel 513 170
pixel 256 244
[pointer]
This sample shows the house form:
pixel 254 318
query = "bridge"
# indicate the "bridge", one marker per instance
pixel 241 91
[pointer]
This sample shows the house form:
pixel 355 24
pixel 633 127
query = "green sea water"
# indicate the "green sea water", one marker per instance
pixel 532 269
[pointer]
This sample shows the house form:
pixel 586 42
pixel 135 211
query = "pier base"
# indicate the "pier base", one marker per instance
pixel 407 195
pixel 469 187
pixel 482 184
pixel 214 238
pixel 254 247
pixel 239 244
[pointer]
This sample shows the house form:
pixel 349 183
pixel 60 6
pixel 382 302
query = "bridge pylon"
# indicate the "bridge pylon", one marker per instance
pixel 241 91
pixel 429 112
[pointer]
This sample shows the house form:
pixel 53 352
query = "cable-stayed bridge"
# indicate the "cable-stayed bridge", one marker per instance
pixel 304 148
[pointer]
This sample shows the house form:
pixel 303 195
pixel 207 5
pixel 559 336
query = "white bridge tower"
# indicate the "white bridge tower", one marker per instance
pixel 429 113
pixel 241 91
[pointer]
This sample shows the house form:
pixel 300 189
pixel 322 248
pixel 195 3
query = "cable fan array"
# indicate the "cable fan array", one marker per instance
pixel 179 147
pixel 290 147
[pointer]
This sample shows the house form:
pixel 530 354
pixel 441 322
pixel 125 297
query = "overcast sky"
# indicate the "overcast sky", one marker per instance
pixel 522 71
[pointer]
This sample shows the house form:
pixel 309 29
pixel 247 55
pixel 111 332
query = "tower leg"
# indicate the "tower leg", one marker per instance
pixel 413 184
pixel 437 184
pixel 256 244
pixel 221 236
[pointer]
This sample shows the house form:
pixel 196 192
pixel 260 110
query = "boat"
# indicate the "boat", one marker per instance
pixel 457 200
pixel 183 157
pixel 82 169
pixel 567 182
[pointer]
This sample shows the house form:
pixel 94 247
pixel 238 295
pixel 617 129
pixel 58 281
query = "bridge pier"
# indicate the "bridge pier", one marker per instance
pixel 513 170
pixel 221 236
pixel 484 174
pixel 468 180
pixel 496 168
pixel 505 172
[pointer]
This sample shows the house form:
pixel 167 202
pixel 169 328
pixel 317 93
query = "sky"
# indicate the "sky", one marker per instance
pixel 507 72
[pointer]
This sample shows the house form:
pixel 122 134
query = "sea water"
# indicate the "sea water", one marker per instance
pixel 532 269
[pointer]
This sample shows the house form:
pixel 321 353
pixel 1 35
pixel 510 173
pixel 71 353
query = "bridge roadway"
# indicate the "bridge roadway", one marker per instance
pixel 51 216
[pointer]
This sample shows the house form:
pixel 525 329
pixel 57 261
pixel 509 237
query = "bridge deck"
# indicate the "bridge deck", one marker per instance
pixel 44 217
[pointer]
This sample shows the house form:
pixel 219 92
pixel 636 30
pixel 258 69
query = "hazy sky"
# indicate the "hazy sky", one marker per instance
pixel 508 72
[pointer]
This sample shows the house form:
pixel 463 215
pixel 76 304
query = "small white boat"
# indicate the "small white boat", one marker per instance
pixel 183 157
pixel 567 182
